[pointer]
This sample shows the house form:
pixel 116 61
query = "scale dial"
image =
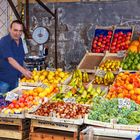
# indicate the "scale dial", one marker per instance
pixel 40 35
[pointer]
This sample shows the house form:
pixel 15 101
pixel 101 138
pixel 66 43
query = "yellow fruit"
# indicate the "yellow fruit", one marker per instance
pixel 133 48
pixel 61 74
pixel 42 94
pixel 38 89
pixel 59 69
pixel 137 90
pixel 135 42
pixel 51 73
pixel 47 90
pixel 36 77
pixel 45 73
pixel 131 92
pixel 129 86
pixel 41 78
pixel 35 94
pixel 50 77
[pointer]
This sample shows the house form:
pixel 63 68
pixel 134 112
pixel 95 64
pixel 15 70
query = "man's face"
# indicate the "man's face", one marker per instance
pixel 16 31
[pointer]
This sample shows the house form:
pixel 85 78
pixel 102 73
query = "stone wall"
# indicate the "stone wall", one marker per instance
pixel 77 23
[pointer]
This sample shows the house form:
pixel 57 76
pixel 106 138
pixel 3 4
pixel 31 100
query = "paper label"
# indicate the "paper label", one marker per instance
pixel 100 73
pixel 121 53
pixel 65 88
pixel 10 96
pixel 124 103
pixel 71 100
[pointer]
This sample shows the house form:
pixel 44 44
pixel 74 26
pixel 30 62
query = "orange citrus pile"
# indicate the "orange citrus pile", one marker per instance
pixel 126 85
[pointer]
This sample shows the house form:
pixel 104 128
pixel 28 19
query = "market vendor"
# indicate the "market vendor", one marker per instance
pixel 12 57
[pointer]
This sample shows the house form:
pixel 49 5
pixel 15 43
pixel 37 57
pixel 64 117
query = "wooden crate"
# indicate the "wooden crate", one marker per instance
pixel 11 128
pixel 112 56
pixel 90 62
pixel 44 130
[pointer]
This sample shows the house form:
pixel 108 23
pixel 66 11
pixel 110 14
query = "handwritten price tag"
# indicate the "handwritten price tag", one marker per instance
pixel 11 96
pixel 124 103
pixel 100 73
pixel 71 100
pixel 65 88
pixel 121 53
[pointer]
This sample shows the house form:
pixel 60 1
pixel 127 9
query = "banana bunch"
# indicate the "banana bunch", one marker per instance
pixel 109 78
pixel 106 80
pixel 83 76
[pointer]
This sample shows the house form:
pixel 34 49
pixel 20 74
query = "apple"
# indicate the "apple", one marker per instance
pixel 101 41
pixel 121 41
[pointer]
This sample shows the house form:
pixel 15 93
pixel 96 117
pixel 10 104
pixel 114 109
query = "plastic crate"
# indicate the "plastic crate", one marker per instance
pixel 102 39
pixel 121 38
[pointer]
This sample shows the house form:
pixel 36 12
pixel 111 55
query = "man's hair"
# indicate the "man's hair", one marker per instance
pixel 16 21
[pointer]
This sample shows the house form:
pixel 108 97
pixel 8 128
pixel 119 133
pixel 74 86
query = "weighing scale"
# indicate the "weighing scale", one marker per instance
pixel 40 35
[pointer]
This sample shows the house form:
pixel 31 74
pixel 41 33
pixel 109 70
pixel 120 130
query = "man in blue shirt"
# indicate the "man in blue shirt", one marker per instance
pixel 11 58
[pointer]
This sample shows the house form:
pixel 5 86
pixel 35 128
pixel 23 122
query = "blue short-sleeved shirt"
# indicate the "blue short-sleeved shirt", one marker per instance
pixel 9 48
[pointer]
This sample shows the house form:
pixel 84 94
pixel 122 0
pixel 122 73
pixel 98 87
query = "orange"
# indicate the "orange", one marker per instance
pixel 126 73
pixel 131 92
pixel 135 43
pixel 137 91
pixel 125 91
pixel 31 92
pixel 129 87
pixel 35 94
pixel 120 90
pixel 133 97
pixel 127 95
pixel 120 95
pixel 138 99
pixel 123 77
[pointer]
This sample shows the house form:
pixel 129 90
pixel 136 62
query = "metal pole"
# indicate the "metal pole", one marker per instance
pixel 56 24
pixel 45 7
pixel 14 9
pixel 27 17
pixel 17 15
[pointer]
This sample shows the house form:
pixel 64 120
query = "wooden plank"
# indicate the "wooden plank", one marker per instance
pixel 52 125
pixel 10 121
pixel 45 136
pixel 11 134
pixel 51 1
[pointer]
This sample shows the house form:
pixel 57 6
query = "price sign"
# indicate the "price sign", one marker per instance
pixel 124 103
pixel 100 73
pixel 121 53
pixel 70 100
pixel 10 96
pixel 65 88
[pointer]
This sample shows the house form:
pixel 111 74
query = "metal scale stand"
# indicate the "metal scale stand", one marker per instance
pixel 40 36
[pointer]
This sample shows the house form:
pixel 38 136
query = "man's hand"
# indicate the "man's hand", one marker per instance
pixel 27 74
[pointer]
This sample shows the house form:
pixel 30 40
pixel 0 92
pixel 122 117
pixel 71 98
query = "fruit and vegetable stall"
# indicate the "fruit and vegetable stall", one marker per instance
pixel 99 98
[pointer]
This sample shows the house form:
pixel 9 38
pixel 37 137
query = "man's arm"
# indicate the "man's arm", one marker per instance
pixel 17 66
